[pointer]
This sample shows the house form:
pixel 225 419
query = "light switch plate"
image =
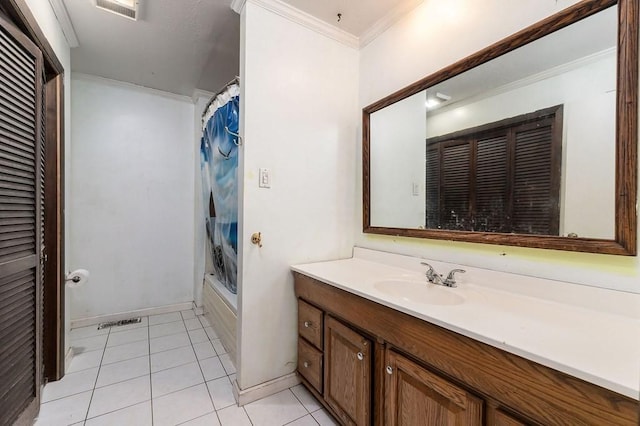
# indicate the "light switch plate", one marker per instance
pixel 264 178
pixel 415 188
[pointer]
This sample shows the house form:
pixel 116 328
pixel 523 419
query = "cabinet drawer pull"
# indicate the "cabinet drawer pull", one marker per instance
pixel 306 364
pixel 389 369
pixel 308 324
pixel 360 356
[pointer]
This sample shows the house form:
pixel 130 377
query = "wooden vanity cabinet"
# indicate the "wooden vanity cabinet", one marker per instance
pixel 347 373
pixel 415 396
pixel 413 372
pixel 501 418
pixel 310 356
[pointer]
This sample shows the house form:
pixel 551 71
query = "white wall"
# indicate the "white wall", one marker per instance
pixel 299 119
pixel 44 15
pixel 133 202
pixel 444 32
pixel 398 163
pixel 201 99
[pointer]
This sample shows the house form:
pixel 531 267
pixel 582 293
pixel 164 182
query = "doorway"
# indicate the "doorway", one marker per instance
pixel 31 214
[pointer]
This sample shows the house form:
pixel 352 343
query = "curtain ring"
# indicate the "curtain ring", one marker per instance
pixel 238 140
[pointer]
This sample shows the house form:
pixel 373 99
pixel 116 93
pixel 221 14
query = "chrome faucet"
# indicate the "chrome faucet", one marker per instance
pixel 450 281
pixel 435 278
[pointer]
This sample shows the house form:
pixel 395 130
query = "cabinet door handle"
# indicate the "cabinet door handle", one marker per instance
pixel 389 369
pixel 360 356
pixel 306 364
pixel 307 324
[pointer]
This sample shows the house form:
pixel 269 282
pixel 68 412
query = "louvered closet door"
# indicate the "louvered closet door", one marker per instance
pixel 20 230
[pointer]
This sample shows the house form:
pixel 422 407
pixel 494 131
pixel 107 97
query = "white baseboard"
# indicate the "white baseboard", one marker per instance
pixel 83 322
pixel 67 359
pixel 262 390
pixel 198 310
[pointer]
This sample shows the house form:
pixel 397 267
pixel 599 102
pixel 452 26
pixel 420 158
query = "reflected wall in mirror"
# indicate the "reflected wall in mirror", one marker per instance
pixel 530 142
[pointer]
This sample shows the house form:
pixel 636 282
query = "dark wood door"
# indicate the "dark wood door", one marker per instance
pixel 21 69
pixel 347 373
pixel 414 396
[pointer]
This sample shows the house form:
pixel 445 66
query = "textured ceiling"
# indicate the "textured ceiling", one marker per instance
pixel 176 46
pixel 181 45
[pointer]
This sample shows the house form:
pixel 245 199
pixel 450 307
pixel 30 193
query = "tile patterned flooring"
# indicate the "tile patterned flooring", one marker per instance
pixel 170 369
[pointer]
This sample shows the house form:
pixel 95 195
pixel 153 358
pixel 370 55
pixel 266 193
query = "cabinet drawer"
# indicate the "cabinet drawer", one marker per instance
pixel 310 364
pixel 310 323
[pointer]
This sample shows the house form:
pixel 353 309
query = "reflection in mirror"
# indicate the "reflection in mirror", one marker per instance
pixel 524 143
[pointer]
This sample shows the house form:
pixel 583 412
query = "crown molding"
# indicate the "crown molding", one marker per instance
pixel 237 5
pixel 64 20
pixel 293 14
pixel 532 79
pixel 199 93
pixel 309 21
pixel 387 21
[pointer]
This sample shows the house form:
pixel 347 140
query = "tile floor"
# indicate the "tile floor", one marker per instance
pixel 170 369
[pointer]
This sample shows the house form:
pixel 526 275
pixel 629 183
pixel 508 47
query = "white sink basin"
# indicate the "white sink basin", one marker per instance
pixel 419 292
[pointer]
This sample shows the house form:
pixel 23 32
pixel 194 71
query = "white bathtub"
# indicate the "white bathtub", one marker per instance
pixel 220 308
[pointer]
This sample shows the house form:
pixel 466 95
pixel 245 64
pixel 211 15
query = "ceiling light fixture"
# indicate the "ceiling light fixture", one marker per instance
pixel 127 8
pixel 443 97
pixel 440 98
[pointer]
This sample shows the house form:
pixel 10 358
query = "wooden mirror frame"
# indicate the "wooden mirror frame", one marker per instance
pixel 626 178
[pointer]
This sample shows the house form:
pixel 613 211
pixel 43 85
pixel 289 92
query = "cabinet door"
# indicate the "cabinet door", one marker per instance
pixel 347 373
pixel 502 418
pixel 416 396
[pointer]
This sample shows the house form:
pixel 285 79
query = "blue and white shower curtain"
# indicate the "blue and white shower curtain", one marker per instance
pixel 219 166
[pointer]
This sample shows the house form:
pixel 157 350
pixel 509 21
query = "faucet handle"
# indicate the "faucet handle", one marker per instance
pixel 427 265
pixel 451 280
pixel 431 274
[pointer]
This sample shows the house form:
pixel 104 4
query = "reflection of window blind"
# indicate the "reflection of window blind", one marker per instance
pixel 456 184
pixel 533 204
pixel 502 177
pixel 492 197
pixel 433 187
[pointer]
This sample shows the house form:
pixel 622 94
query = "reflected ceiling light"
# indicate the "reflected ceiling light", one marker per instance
pixel 433 102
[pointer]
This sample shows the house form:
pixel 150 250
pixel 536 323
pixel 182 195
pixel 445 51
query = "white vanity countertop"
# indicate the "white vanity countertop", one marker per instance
pixel 587 332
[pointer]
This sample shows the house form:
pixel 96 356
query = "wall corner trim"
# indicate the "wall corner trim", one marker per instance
pixel 238 5
pixel 67 359
pixel 64 20
pixel 247 396
pixel 387 21
pixel 199 93
pixel 130 86
pixel 306 20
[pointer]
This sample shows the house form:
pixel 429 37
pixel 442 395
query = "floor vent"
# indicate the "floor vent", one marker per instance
pixel 119 323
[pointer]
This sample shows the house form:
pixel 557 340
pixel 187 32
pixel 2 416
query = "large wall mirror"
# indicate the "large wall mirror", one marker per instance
pixel 529 142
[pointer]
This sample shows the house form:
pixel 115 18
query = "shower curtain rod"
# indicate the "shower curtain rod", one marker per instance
pixel 236 80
